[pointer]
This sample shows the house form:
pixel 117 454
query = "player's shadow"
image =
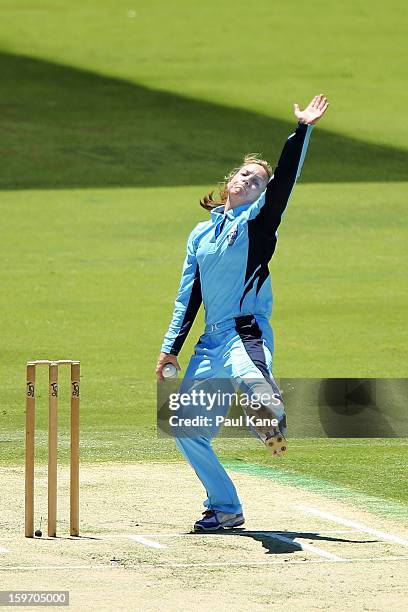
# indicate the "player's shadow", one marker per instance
pixel 67 127
pixel 283 542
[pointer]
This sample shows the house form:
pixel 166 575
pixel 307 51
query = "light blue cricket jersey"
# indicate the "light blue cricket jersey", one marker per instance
pixel 226 266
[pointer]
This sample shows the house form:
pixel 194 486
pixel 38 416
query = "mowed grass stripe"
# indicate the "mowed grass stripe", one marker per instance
pixel 259 60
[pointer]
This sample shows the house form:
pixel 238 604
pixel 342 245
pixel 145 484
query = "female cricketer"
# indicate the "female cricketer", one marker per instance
pixel 226 268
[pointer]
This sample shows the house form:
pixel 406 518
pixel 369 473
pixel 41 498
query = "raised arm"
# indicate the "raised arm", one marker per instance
pixel 289 165
pixel 187 302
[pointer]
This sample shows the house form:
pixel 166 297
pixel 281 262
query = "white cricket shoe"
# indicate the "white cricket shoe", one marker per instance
pixel 215 520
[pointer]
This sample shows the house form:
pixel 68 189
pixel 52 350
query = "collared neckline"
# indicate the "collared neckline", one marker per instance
pixel 218 212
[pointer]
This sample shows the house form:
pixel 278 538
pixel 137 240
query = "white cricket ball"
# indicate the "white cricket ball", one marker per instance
pixel 169 371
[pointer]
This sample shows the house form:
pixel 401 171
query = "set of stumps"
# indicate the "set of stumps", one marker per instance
pixel 53 367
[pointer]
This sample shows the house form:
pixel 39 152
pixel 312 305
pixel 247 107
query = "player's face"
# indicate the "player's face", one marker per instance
pixel 247 184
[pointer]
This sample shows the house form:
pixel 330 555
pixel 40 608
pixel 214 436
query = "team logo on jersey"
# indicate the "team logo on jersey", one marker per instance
pixel 232 236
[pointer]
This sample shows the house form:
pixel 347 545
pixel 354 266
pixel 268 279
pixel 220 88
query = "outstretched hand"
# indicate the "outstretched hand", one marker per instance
pixel 313 111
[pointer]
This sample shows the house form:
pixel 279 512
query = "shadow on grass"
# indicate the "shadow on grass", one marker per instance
pixel 65 127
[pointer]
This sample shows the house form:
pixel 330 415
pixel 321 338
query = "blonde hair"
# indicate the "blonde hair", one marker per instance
pixel 208 202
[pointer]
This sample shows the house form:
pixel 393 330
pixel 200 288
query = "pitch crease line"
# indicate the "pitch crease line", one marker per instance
pixel 146 542
pixel 197 535
pixel 389 537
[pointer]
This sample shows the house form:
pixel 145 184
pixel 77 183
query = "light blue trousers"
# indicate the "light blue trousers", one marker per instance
pixel 242 351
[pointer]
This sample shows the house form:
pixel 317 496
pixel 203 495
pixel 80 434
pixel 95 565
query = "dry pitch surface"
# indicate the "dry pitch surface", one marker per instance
pixel 298 551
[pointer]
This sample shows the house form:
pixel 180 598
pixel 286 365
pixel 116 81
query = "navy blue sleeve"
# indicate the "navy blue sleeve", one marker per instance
pixel 286 173
pixel 187 302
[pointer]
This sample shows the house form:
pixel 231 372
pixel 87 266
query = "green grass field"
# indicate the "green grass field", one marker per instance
pixel 112 128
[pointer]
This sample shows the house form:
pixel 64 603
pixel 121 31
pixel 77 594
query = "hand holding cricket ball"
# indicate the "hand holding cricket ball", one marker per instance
pixel 163 367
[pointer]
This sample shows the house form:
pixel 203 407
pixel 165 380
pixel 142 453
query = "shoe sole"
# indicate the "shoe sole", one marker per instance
pixel 201 529
pixel 277 444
